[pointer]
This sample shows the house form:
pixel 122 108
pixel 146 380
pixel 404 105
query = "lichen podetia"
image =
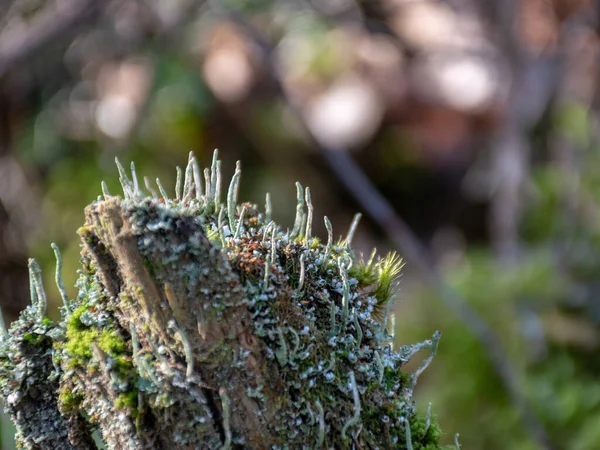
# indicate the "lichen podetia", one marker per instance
pixel 201 323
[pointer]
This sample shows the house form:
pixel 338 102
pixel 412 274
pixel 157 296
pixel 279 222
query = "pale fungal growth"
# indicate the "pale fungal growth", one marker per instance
pixel 220 226
pixel 282 352
pixel 268 207
pixel 331 364
pixel 188 182
pixel 311 414
pixel 213 179
pixel 456 443
pixel 321 433
pixel 302 226
pixel 197 177
pixel 428 417
pixel 355 419
pixel 409 351
pixel 273 245
pixel 124 179
pixel 178 184
pixel 32 290
pixel 409 445
pixel 332 320
pixel 225 404
pixel 294 352
pixel 433 350
pixel 359 334
pixel 329 240
pixel 162 191
pixel 58 276
pixel 214 327
pixel 392 329
pixel 309 217
pixel 302 272
pixel 346 292
pixel 35 274
pixel 141 363
pixel 232 195
pixel 266 278
pixel 352 230
pixel 240 223
pixel 384 336
pixel 266 231
pixel 380 368
pixel 105 192
pixel 136 185
pixel 299 211
pixel 3 329
pixel 150 189
pixel 187 348
pixel 208 197
pixel 218 185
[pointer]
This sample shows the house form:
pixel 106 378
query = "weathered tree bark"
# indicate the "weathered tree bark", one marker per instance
pixel 200 325
pixel 179 293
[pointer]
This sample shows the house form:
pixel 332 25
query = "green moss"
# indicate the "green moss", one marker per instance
pixel 393 378
pixel 69 400
pixel 86 233
pixel 388 270
pixel 32 338
pixel 80 345
pixel 80 338
pixel 111 342
pixel 365 272
pixel 123 365
pixel 79 342
pixel 315 243
pixel 424 435
pixel 213 236
pixel 127 400
pixel 74 322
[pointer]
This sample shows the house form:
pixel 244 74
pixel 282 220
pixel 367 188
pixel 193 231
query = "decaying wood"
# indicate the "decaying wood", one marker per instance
pixel 191 331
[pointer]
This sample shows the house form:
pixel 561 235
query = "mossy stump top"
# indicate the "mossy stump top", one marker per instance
pixel 202 324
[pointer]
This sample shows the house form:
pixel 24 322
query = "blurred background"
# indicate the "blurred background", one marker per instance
pixel 465 130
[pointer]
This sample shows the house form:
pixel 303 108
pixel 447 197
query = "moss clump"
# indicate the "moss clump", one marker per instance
pixel 81 337
pixel 69 400
pixel 33 338
pixel 127 400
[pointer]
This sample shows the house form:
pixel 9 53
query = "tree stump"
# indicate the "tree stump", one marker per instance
pixel 202 324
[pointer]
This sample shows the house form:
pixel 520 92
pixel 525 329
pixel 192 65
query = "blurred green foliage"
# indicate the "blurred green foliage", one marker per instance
pixel 544 309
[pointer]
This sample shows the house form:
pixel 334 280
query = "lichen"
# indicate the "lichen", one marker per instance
pixel 203 324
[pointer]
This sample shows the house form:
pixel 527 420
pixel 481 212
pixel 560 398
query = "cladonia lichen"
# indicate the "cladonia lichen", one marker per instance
pixel 204 324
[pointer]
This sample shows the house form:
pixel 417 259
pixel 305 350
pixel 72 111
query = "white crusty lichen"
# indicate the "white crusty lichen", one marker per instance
pixel 187 304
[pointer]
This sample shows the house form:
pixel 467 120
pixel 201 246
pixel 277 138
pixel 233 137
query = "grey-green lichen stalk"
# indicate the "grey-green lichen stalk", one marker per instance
pixel 203 324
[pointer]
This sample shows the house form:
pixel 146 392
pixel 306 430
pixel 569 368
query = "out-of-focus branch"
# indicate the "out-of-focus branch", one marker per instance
pixel 380 210
pixel 533 81
pixel 18 44
pixel 510 149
